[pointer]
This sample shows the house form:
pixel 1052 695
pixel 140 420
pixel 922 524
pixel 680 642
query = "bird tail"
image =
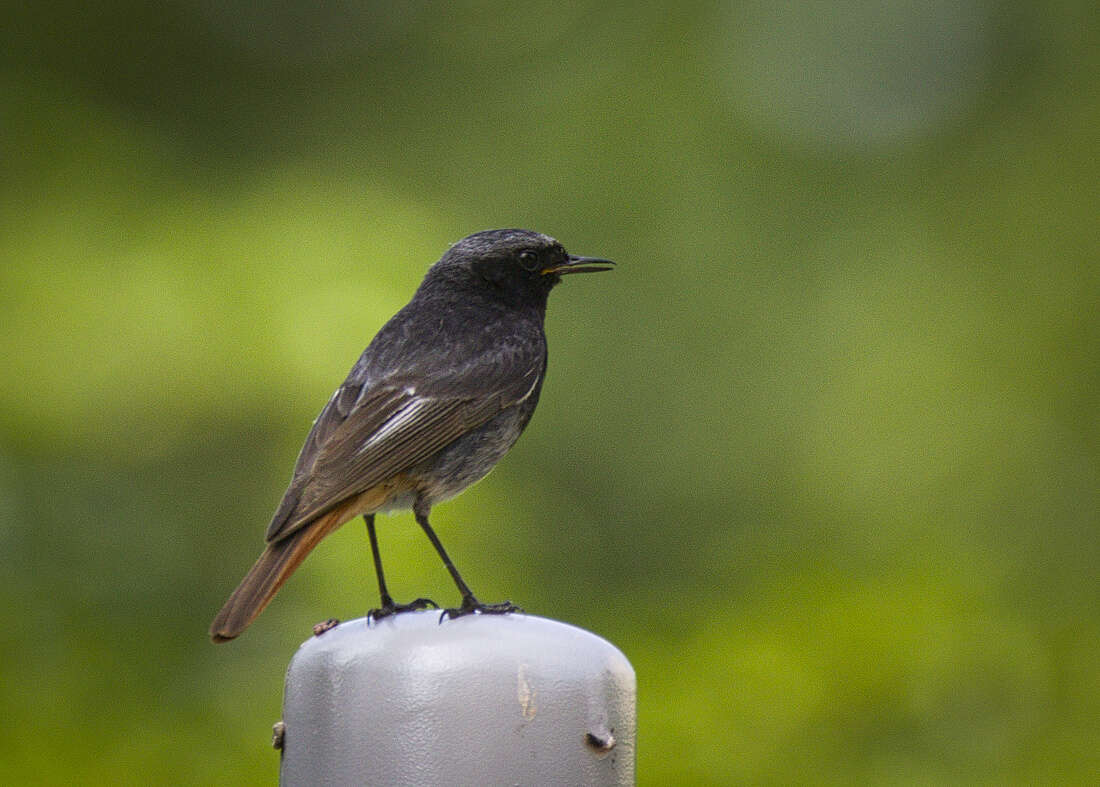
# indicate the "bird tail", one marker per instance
pixel 267 575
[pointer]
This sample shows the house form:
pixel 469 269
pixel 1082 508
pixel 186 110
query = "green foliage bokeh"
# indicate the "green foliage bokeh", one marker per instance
pixel 822 455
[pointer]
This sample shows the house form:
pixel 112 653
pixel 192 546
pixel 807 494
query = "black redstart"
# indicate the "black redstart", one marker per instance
pixel 436 399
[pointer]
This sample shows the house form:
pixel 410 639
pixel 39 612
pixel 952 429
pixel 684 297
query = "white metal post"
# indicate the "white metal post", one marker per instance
pixel 481 700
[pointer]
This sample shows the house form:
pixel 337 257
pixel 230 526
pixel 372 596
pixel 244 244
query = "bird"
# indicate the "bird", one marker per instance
pixel 438 397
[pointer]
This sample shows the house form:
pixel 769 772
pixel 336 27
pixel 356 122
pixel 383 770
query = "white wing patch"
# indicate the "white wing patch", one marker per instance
pixel 530 390
pixel 395 422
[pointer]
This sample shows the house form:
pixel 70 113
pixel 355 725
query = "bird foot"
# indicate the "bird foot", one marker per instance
pixel 389 608
pixel 471 606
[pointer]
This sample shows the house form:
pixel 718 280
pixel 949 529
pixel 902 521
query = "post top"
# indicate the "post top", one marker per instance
pixel 473 640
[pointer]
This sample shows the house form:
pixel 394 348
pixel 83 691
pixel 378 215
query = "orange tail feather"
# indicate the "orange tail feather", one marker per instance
pixel 266 576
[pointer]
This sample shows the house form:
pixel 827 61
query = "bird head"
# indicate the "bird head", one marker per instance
pixel 517 264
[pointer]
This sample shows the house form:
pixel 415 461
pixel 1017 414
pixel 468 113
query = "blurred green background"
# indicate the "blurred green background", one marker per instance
pixel 822 456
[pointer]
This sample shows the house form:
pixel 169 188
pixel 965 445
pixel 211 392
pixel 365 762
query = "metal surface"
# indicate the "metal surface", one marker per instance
pixel 481 700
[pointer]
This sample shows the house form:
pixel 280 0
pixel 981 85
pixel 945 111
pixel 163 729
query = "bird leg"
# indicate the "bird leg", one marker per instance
pixel 470 604
pixel 388 606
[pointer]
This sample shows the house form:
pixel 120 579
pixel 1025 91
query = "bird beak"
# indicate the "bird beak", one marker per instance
pixel 579 265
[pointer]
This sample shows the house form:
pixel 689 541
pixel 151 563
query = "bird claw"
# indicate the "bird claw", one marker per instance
pixel 388 608
pixel 471 606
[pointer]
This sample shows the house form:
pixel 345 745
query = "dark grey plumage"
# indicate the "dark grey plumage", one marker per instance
pixel 438 397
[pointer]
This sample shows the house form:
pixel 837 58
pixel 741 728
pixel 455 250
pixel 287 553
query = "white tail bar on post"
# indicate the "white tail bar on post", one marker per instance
pixel 480 700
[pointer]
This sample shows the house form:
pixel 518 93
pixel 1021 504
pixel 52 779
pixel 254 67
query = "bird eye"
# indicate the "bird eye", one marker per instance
pixel 529 259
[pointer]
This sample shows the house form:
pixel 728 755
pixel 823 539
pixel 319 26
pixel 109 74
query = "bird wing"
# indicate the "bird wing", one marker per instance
pixel 367 434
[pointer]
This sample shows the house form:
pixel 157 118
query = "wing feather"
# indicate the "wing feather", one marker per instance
pixel 365 436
